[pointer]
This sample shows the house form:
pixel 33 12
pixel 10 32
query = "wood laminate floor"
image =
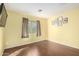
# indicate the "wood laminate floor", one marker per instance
pixel 42 48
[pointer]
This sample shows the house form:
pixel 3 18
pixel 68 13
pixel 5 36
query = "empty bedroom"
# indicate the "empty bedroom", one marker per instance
pixel 39 29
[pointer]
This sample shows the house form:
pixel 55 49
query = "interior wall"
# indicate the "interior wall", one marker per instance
pixel 14 28
pixel 1 40
pixel 68 34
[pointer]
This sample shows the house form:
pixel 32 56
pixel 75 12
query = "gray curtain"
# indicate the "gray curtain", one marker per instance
pixel 25 28
pixel 38 28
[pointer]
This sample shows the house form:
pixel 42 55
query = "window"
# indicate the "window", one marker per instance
pixel 30 27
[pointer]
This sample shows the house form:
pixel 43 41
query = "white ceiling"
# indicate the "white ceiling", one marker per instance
pixel 48 9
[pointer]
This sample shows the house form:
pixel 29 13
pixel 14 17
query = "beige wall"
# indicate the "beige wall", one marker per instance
pixel 1 40
pixel 68 34
pixel 14 27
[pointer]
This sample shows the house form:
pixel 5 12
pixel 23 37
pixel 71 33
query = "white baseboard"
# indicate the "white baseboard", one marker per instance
pixel 64 44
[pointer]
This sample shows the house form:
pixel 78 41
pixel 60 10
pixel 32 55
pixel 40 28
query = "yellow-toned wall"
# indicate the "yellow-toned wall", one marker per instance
pixel 1 40
pixel 68 34
pixel 13 30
